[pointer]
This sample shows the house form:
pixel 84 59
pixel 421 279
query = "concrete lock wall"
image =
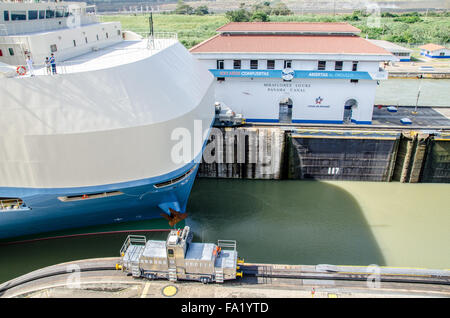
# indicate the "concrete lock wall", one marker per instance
pixel 423 157
pixel 248 153
pixel 344 154
pixel 341 158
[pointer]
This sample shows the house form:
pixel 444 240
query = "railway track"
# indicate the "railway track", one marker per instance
pixel 414 277
pixel 264 271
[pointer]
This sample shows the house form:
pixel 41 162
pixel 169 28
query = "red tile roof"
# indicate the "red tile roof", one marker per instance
pixel 288 44
pixel 431 47
pixel 335 27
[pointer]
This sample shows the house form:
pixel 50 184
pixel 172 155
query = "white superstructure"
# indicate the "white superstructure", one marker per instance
pixel 28 28
pixel 101 139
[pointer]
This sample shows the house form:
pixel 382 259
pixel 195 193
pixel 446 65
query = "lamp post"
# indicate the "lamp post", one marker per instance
pixel 418 95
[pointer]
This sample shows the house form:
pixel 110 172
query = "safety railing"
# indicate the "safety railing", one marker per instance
pixel 227 244
pixel 132 240
pixel 116 57
pixel 160 40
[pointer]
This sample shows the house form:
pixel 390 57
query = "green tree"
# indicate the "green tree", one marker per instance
pixel 183 8
pixel 262 7
pixel 239 15
pixel 281 9
pixel 201 10
pixel 260 16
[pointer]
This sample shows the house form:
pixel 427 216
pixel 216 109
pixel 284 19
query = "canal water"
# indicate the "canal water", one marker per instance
pixel 290 222
pixel 433 92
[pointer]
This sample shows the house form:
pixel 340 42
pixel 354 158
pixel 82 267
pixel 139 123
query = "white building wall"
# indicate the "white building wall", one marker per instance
pixel 436 53
pixel 253 98
pixel 259 98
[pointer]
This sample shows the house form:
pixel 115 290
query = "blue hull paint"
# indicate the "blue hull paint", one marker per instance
pixel 139 201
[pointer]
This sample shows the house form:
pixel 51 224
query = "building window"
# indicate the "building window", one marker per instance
pixel 18 15
pixel 237 64
pixel 74 43
pixel 354 81
pixel 6 15
pixel 253 64
pixel 32 15
pixel 53 48
pixel 41 14
pixel 220 64
pixel 355 66
pixel 59 13
pixel 321 65
pixel 287 64
pixel 49 14
pixel 338 65
pixel 11 51
pixel 270 64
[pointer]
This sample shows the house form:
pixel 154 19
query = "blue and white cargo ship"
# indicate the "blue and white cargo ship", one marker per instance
pixel 98 142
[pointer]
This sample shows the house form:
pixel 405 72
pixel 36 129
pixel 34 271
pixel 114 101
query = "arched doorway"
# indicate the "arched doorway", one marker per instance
pixel 349 107
pixel 285 115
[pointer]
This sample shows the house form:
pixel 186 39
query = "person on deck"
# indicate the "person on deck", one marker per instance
pixel 47 66
pixel 30 65
pixel 53 64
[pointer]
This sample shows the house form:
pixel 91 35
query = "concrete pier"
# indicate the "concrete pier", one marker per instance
pixel 99 278
pixel 244 153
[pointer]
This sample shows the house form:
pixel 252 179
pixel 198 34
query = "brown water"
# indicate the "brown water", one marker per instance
pixel 290 222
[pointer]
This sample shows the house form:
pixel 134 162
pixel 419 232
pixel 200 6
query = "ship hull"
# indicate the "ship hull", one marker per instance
pixel 111 145
pixel 139 200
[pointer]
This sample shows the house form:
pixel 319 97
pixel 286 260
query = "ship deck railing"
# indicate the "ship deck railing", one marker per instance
pixel 132 240
pixel 121 53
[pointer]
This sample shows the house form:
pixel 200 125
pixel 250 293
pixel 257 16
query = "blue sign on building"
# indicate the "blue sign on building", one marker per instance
pixel 297 74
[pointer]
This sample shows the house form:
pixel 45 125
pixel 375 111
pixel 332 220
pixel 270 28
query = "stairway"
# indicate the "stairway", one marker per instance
pixel 135 270
pixel 173 274
pixel 219 275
